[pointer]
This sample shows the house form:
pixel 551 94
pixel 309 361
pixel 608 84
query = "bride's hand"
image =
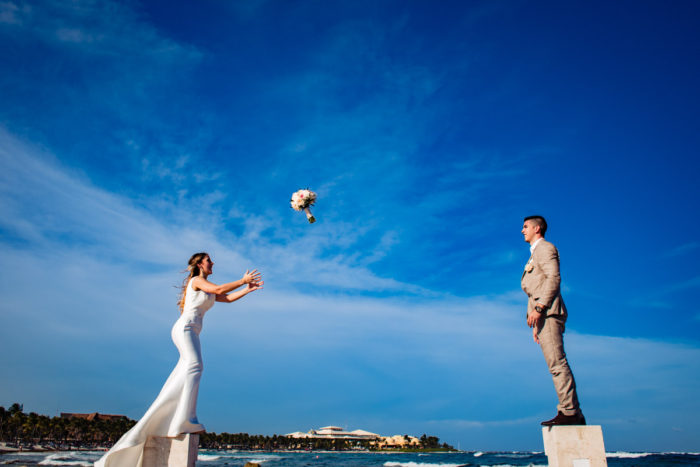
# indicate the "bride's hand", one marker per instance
pixel 251 276
pixel 255 285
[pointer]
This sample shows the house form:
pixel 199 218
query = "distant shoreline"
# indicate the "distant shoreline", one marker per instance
pixel 20 432
pixel 4 449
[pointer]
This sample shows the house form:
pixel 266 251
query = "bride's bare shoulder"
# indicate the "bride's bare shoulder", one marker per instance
pixel 196 282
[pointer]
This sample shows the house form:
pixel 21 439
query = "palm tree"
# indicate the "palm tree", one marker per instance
pixel 16 408
pixel 4 416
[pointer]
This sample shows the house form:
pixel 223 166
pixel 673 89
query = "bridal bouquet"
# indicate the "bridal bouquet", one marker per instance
pixel 302 200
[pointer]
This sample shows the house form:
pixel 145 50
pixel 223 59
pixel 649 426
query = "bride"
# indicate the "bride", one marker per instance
pixel 175 409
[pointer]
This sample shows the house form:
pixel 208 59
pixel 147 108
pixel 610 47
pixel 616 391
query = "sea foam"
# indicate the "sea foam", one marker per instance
pixel 65 459
pixel 418 464
pixel 628 455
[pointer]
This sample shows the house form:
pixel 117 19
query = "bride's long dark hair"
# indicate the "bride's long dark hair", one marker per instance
pixel 192 271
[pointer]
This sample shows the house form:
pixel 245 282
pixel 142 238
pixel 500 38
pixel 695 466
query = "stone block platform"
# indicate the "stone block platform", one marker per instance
pixel 574 446
pixel 171 452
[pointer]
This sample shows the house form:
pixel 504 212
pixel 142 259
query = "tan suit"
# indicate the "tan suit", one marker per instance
pixel 541 282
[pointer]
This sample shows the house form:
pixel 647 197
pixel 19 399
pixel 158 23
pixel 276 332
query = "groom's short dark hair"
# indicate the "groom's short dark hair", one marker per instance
pixel 538 220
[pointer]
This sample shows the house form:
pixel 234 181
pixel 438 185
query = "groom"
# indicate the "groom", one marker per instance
pixel 546 315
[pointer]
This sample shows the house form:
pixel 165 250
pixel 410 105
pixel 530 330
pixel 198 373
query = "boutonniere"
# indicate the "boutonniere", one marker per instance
pixel 529 267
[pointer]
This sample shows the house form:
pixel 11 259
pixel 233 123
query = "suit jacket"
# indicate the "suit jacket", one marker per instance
pixel 541 281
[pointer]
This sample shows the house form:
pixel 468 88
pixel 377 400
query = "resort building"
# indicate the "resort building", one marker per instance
pixel 398 441
pixel 92 416
pixel 382 442
pixel 335 432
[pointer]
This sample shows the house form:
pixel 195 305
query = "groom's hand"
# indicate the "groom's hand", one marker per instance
pixel 534 335
pixel 533 318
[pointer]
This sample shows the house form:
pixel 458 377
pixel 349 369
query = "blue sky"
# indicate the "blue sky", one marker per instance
pixel 133 134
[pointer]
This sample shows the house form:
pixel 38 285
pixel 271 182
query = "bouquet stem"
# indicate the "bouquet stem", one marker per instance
pixel 309 216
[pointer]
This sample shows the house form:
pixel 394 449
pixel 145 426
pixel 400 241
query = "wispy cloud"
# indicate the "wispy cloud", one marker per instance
pixel 97 27
pixel 11 13
pixel 44 204
pixel 372 142
pixel 681 249
pixel 105 59
pixel 374 139
pixel 664 296
pixel 461 424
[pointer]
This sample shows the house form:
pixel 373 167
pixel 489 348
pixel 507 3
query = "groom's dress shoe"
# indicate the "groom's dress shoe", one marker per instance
pixel 561 419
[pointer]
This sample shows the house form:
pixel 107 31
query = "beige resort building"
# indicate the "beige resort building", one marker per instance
pixel 336 432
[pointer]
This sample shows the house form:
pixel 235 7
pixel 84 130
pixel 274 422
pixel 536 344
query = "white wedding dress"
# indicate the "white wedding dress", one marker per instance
pixel 175 409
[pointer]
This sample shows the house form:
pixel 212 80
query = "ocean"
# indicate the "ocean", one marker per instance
pixel 363 459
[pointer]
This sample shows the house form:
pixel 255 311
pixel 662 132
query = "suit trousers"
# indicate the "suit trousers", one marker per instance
pixel 551 335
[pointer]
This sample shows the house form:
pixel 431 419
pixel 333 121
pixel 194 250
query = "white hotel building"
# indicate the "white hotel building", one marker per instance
pixel 336 432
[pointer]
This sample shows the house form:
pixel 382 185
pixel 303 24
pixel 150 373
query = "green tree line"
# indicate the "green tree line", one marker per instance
pixel 62 433
pixel 244 441
pixel 24 429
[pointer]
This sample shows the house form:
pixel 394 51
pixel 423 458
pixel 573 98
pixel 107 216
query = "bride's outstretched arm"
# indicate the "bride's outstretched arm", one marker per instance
pixel 200 283
pixel 232 297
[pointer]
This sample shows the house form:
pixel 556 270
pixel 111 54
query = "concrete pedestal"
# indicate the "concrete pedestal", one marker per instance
pixel 574 446
pixel 171 452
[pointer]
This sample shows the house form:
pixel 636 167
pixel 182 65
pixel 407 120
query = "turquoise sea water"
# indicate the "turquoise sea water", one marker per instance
pixel 363 459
